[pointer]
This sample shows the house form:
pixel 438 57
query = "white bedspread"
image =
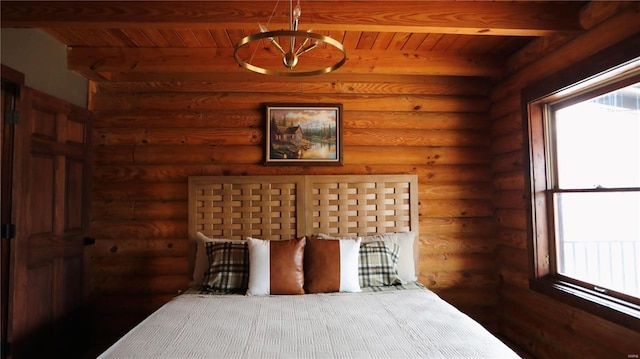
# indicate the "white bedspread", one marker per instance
pixel 394 324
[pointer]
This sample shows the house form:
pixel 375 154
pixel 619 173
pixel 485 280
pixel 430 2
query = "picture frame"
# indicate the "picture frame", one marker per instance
pixel 303 134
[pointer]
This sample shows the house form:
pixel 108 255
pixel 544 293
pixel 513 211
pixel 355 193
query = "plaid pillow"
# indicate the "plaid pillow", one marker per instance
pixel 377 264
pixel 228 267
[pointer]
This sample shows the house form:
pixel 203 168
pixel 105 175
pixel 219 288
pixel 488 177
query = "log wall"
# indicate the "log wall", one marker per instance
pixel 542 326
pixel 150 136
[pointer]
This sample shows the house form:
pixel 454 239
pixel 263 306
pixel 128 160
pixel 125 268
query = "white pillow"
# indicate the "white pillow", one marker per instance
pixel 201 260
pixel 406 261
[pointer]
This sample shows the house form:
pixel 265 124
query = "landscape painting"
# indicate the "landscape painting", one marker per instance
pixel 302 134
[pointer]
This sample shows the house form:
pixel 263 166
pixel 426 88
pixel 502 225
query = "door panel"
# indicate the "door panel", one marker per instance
pixel 74 178
pixel 41 180
pixel 39 295
pixel 48 295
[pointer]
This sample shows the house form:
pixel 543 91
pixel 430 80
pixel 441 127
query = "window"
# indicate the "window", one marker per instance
pixel 584 156
pixel 595 190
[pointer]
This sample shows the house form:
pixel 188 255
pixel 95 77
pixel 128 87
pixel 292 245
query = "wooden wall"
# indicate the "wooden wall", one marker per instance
pixel 544 327
pixel 150 136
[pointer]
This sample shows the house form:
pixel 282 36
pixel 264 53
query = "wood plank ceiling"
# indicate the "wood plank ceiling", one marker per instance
pixel 189 40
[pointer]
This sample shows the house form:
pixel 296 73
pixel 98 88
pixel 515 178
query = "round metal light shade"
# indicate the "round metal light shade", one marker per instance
pixel 288 33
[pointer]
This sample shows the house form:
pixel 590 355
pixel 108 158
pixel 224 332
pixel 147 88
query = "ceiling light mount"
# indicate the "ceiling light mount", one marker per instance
pixel 300 42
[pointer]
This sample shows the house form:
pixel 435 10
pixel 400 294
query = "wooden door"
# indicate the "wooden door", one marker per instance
pixel 47 284
pixel 11 83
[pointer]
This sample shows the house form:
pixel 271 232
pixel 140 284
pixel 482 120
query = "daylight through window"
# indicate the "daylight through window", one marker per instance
pixel 595 195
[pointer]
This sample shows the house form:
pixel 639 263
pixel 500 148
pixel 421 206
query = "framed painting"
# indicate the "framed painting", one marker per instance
pixel 303 134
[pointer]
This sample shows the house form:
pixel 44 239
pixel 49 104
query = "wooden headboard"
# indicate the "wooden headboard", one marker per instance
pixel 285 207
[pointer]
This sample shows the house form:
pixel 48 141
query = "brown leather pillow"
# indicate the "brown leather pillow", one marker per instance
pixel 331 265
pixel 276 267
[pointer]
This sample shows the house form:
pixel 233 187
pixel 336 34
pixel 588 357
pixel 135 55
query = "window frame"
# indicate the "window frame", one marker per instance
pixel 596 73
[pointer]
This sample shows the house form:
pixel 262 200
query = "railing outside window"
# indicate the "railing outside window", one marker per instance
pixel 610 264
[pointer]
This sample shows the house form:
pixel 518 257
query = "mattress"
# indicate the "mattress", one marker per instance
pixel 409 323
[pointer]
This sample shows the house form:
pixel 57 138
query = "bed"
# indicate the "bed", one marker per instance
pixel 309 266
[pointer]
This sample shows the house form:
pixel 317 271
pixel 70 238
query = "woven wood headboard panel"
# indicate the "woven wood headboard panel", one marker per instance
pixel 285 207
pixel 236 207
pixel 361 205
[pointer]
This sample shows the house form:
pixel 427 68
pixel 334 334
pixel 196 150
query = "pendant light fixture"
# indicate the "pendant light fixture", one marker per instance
pixel 295 44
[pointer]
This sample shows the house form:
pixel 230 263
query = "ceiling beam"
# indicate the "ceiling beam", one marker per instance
pixel 458 17
pixel 103 60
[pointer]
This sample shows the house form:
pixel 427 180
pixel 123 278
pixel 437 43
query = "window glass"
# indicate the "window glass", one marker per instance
pixel 598 239
pixel 598 141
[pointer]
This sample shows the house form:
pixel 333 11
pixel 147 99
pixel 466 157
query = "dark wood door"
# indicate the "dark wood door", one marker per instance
pixel 47 283
pixel 11 83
